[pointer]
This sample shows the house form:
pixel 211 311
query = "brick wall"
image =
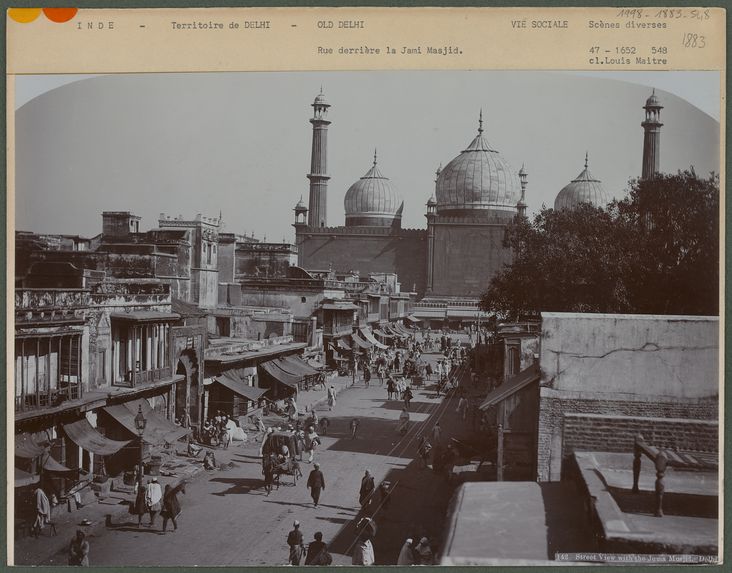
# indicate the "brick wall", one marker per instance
pixel 377 251
pixel 611 426
pixel 594 432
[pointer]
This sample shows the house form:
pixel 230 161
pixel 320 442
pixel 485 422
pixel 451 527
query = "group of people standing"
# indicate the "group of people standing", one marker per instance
pixel 151 499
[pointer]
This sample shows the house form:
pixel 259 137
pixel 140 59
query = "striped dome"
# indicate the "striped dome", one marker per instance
pixel 583 189
pixel 372 201
pixel 478 178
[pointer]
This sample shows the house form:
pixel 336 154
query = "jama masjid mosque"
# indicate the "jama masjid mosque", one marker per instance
pixel 476 195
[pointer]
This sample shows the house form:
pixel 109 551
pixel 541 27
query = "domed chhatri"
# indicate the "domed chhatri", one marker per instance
pixel 477 179
pixel 583 189
pixel 372 201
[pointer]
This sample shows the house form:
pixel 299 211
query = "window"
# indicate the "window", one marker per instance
pixel 47 370
pixel 303 299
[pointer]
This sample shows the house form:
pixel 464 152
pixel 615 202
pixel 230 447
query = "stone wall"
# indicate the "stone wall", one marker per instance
pixel 367 250
pixel 264 259
pixel 605 378
pixel 466 257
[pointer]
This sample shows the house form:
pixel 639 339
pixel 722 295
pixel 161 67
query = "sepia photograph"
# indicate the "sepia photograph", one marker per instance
pixel 357 318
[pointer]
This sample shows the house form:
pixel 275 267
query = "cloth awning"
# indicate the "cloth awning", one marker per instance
pixel 509 388
pixel 26 447
pixel 366 333
pixel 360 342
pixel 382 333
pixel 403 329
pixel 413 318
pixel 236 385
pixel 51 465
pixel 340 350
pixel 157 431
pixel 297 366
pixel 84 435
pixel 343 345
pixel 271 368
pixel 394 332
pixel 22 478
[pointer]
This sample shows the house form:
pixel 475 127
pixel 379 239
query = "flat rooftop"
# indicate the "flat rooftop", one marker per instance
pixel 690 523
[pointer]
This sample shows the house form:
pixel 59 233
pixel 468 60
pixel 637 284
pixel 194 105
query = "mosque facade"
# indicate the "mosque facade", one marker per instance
pixel 476 196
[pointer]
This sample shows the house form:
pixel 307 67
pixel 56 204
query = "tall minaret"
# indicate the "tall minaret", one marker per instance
pixel 317 208
pixel 652 137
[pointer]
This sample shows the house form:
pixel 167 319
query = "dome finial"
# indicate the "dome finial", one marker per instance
pixel 480 121
pixel 374 157
pixel 586 158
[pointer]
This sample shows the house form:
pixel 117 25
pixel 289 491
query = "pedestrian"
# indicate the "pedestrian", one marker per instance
pixel 43 511
pixel 324 423
pixel 264 441
pixel 380 371
pixel 354 427
pixel 171 505
pixel 366 375
pixel 403 425
pixel 139 506
pixel 268 466
pixel 428 371
pixel 153 499
pixel 462 407
pixel 311 442
pixel 79 550
pixel 300 443
pixel 294 540
pixel 407 397
pixel 384 494
pixel 331 397
pixel 424 450
pixel 423 552
pixel 316 483
pixel 363 552
pixel 406 555
pixel 318 552
pixel 436 434
pixel 367 488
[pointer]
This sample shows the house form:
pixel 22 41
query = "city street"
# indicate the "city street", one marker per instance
pixel 227 518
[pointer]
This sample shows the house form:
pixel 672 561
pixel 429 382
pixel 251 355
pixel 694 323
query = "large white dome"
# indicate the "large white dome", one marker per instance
pixel 478 178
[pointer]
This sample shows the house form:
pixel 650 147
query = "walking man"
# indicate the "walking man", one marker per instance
pixel 294 540
pixel 153 499
pixel 171 505
pixel 367 488
pixel 331 397
pixel 407 397
pixel 43 511
pixel 316 483
pixel 354 428
pixel 437 434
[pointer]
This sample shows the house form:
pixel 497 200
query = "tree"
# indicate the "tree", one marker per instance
pixel 657 251
pixel 675 244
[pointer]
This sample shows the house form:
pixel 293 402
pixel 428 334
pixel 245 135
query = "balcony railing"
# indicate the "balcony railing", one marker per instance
pixel 48 398
pixel 134 379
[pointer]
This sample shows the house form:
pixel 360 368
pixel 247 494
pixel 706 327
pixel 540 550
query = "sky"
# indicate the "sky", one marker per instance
pixel 239 143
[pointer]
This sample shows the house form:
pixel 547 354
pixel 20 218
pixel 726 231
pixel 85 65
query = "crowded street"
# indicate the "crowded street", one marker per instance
pixel 227 517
